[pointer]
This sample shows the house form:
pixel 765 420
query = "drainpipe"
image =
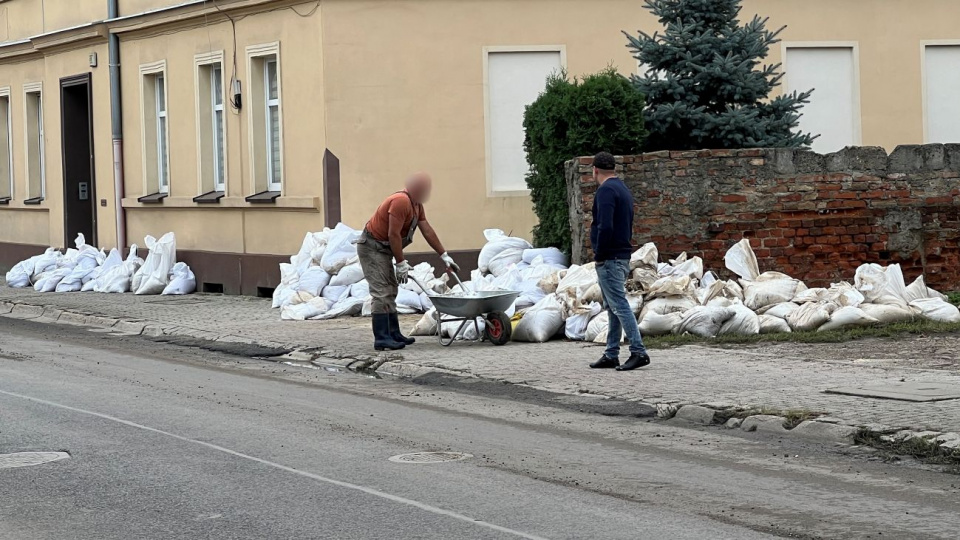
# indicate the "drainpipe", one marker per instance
pixel 116 116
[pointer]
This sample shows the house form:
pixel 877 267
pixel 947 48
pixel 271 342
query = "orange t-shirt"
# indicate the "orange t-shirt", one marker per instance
pixel 398 205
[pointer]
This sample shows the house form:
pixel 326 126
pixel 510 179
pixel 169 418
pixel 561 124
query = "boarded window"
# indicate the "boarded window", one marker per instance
pixel 833 111
pixel 942 78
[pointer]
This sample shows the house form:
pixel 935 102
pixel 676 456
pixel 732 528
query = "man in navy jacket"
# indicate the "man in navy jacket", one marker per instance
pixel 610 236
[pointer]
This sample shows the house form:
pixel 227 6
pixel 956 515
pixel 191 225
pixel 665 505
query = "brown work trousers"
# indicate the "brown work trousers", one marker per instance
pixel 376 260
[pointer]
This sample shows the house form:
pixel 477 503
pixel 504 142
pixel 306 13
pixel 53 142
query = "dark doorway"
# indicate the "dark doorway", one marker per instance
pixel 79 182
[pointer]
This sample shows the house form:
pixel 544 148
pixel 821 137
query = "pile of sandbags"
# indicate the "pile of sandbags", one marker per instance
pixel 85 268
pixel 324 280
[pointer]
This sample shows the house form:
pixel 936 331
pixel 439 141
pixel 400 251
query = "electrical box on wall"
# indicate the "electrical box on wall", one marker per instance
pixel 93 59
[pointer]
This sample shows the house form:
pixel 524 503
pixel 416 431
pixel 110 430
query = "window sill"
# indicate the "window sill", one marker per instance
pixel 5 201
pixel 153 198
pixel 34 201
pixel 264 197
pixel 508 193
pixel 281 203
pixel 211 197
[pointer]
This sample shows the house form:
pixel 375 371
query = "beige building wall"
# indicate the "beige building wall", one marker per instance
pixel 388 86
pixel 233 225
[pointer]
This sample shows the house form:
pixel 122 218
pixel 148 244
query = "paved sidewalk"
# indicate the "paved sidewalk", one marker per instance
pixel 788 376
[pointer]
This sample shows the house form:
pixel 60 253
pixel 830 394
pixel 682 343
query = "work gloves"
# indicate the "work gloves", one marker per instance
pixel 448 260
pixel 402 269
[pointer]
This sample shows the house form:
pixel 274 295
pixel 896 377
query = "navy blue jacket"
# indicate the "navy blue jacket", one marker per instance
pixel 612 228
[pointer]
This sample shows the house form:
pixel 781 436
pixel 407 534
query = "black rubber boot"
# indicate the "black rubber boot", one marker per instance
pixel 637 360
pixel 395 331
pixel 382 340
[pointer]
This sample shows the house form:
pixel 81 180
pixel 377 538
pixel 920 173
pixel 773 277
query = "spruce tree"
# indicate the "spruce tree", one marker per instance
pixel 705 86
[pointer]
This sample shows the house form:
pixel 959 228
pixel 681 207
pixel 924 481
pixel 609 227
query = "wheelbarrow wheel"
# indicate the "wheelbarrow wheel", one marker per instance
pixel 498 328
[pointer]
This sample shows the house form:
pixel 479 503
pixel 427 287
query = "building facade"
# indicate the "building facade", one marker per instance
pixel 243 124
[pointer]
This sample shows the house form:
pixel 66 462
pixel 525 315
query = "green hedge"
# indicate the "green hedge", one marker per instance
pixel 601 112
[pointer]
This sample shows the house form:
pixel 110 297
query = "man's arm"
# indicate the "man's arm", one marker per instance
pixel 606 205
pixel 394 236
pixel 431 237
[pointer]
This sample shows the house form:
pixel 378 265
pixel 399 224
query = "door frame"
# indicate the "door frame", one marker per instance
pixel 68 82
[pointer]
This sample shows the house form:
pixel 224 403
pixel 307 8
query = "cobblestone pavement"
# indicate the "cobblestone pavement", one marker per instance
pixel 784 376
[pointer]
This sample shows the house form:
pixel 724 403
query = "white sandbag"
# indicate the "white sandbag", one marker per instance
pixel 311 250
pixel 722 302
pixel 424 273
pixel 504 261
pixel 346 307
pixel 773 325
pixel 593 294
pixel 881 285
pixel 655 324
pixel 575 326
pixel 307 310
pixel 164 253
pixel 509 280
pixel 578 277
pixel 44 263
pixel 49 280
pixel 348 275
pixel 664 306
pixel 427 325
pixel 936 309
pixel 644 277
pixel 149 263
pixel 425 302
pixel 341 249
pixel 19 276
pixel 409 299
pixel 844 294
pixel 539 270
pixel 550 283
pixel 289 283
pixel 671 286
pixel 809 317
pixel 741 260
pixel 918 290
pixel 743 323
pixel 770 288
pixel 529 296
pixel 889 314
pixel 182 280
pixel 360 289
pixel 704 321
pixel 601 337
pixel 780 310
pixel 816 294
pixel 541 322
pixel 597 325
pixel 847 317
pixel 645 257
pixel 550 255
pixel 312 280
pixel 111 261
pixel 691 268
pixel 497 242
pixel 636 302
pixel 334 294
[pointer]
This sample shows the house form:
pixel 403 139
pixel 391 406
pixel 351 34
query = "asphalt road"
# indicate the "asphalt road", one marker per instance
pixel 175 442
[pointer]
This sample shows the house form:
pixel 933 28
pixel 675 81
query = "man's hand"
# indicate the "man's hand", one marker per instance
pixel 403 270
pixel 451 264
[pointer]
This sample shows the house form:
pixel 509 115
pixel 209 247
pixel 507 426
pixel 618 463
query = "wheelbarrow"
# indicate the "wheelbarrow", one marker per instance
pixel 466 307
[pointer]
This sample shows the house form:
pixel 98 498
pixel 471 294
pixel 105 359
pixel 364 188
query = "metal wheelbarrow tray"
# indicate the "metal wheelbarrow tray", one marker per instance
pixel 467 307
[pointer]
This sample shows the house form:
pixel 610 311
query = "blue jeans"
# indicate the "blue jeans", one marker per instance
pixel 613 278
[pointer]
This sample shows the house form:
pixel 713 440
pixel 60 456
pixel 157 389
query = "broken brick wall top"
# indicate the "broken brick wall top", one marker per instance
pixel 815 217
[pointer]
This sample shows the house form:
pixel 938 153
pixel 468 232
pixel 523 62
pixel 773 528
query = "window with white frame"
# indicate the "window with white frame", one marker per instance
pixel 36 167
pixel 941 80
pixel 211 123
pixel 155 125
pixel 6 148
pixel 514 79
pixel 266 117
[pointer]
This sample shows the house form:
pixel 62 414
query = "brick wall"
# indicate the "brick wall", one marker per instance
pixel 815 217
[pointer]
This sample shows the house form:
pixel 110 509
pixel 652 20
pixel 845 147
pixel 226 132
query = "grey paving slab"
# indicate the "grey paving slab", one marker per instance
pixel 793 376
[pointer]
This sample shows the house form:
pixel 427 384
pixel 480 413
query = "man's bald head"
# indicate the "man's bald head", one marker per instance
pixel 419 186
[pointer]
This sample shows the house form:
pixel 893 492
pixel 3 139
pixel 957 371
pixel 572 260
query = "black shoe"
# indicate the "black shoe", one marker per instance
pixel 605 363
pixel 382 340
pixel 636 360
pixel 395 331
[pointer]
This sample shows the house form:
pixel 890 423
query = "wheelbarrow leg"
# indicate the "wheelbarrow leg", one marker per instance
pixel 476 327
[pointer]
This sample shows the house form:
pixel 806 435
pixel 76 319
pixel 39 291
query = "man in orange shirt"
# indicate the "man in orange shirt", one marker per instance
pixel 380 248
